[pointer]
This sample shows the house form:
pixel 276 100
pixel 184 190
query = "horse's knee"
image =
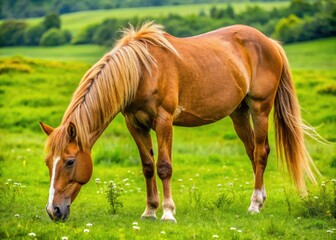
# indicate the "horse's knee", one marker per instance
pixel 164 169
pixel 148 169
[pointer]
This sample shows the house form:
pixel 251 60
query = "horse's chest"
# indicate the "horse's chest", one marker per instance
pixel 139 118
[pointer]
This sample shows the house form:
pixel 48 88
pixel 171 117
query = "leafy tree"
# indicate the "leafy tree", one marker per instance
pixel 12 33
pixel 288 29
pixel 53 37
pixel 52 20
pixel 85 35
pixel 106 33
pixel 229 12
pixel 254 14
pixel 33 34
pixel 318 27
pixel 302 8
pixel 67 35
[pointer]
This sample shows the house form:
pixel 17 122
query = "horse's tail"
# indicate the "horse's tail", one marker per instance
pixel 290 130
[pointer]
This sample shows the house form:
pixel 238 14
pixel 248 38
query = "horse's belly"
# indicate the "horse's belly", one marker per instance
pixel 194 118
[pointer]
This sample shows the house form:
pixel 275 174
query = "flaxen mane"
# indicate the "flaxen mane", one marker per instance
pixel 110 84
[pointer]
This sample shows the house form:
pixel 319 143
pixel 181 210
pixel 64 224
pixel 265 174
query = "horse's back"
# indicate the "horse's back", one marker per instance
pixel 210 76
pixel 216 71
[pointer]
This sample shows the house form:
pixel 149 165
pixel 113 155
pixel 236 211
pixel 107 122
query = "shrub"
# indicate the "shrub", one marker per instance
pixel 53 37
pixel 52 20
pixel 85 35
pixel 288 29
pixel 67 36
pixel 107 32
pixel 33 34
pixel 12 32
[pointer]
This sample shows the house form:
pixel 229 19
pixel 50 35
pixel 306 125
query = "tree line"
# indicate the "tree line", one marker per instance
pixel 39 8
pixel 301 21
pixel 46 33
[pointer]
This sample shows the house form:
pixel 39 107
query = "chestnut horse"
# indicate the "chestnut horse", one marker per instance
pixel 156 81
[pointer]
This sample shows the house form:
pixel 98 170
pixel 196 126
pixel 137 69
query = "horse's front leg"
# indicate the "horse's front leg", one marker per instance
pixel 143 140
pixel 164 133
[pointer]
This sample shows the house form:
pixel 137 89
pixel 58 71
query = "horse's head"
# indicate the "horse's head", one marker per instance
pixel 70 167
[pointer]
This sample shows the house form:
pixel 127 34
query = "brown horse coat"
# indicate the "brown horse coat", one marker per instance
pixel 157 81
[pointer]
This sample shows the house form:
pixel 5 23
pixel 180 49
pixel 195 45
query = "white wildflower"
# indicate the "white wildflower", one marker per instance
pixel 89 224
pixel 64 238
pixel 32 234
pixel 215 236
pixel 163 232
pixel 135 223
pixel 17 215
pixel 136 228
pixel 86 230
pixel 233 229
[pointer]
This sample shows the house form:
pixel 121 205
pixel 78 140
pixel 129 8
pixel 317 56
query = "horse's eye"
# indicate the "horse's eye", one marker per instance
pixel 70 162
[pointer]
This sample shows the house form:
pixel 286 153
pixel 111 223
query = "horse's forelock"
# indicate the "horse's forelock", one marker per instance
pixel 57 141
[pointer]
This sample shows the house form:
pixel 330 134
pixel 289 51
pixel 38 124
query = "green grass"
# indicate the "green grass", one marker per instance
pixel 76 21
pixel 318 54
pixel 79 53
pixel 212 180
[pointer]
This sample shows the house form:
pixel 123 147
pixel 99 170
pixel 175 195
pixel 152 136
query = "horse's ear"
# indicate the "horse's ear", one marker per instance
pixel 47 129
pixel 72 132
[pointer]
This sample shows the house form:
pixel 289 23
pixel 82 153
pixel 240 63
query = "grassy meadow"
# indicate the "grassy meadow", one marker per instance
pixel 212 181
pixel 75 21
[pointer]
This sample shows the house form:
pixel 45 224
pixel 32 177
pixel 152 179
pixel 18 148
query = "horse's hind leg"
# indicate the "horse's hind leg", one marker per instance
pixel 143 140
pixel 241 122
pixel 260 110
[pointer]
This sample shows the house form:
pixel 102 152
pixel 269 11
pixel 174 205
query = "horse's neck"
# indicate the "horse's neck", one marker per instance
pixel 95 134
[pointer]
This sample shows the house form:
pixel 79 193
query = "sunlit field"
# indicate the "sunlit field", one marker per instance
pixel 212 181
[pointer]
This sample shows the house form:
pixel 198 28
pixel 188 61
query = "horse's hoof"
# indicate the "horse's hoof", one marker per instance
pixel 172 220
pixel 168 217
pixel 149 217
pixel 253 210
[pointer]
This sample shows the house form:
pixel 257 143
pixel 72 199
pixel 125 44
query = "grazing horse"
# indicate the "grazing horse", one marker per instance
pixel 156 81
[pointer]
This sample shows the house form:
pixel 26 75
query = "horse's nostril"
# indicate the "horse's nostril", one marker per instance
pixel 57 212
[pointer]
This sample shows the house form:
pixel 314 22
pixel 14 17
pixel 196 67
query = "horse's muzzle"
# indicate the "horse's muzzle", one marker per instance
pixel 59 213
